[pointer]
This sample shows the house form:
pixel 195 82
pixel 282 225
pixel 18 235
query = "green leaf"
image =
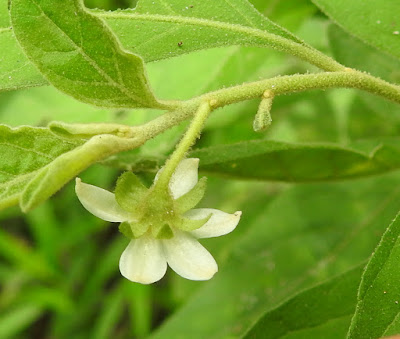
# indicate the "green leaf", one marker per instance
pixel 24 152
pixel 77 53
pixel 253 58
pixel 346 50
pixel 112 311
pixel 306 235
pixel 170 28
pixel 16 70
pixel 271 160
pixel 36 163
pixel 378 307
pixel 25 257
pixel 328 302
pixel 17 319
pixel 373 21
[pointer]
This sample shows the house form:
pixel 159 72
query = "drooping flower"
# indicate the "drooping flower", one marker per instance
pixel 163 228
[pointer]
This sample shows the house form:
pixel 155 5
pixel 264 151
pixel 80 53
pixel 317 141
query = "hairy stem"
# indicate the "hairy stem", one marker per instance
pixel 302 82
pixel 184 145
pixel 138 135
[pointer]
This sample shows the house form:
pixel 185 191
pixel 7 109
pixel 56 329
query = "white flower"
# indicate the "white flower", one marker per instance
pixel 145 259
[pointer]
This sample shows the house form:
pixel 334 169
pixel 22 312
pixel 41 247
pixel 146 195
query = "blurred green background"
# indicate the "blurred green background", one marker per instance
pixel 59 273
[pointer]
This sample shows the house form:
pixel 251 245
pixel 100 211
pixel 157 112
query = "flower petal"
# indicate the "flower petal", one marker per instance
pixel 143 261
pixel 100 202
pixel 187 257
pixel 219 224
pixel 184 178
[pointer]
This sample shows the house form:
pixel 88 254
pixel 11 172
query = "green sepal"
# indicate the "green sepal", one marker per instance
pixel 129 191
pixel 126 230
pixel 132 230
pixel 188 225
pixel 163 232
pixel 189 200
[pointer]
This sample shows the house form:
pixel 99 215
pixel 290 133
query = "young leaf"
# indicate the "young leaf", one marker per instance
pixel 65 167
pixel 263 119
pixel 331 301
pixel 36 163
pixel 15 71
pixel 77 53
pixel 170 28
pixel 24 152
pixel 373 21
pixel 271 160
pixel 378 307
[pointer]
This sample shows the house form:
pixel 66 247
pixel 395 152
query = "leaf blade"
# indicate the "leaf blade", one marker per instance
pixel 333 299
pixel 379 290
pixel 289 162
pixel 80 55
pixel 15 71
pixel 203 25
pixel 372 21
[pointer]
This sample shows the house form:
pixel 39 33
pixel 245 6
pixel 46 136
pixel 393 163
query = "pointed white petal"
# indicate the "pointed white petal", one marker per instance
pixel 100 202
pixel 187 257
pixel 184 178
pixel 219 224
pixel 143 261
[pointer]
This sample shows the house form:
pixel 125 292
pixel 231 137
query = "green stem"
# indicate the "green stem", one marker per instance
pixel 184 145
pixel 138 135
pixel 302 82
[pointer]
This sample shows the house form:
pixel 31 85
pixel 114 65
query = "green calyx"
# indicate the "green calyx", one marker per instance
pixel 154 210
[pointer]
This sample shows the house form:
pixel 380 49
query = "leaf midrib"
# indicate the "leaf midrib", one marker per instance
pixel 255 32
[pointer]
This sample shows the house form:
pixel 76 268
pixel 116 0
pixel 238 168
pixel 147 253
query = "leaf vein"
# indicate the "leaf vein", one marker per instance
pixel 7 173
pixel 255 32
pixel 7 29
pixel 167 6
pixel 241 13
pixel 27 150
pixel 158 36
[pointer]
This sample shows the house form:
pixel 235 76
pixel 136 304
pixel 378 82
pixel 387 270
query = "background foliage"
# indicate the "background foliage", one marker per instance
pixel 307 230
